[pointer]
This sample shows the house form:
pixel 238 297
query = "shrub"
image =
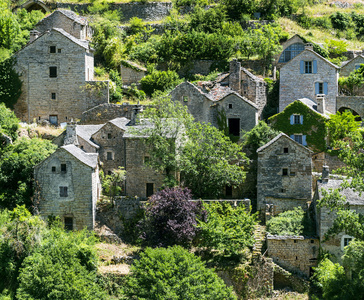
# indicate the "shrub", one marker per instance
pixel 170 218
pixel 9 123
pixel 10 83
pixel 340 20
pixel 174 273
pixel 159 80
pixel 287 223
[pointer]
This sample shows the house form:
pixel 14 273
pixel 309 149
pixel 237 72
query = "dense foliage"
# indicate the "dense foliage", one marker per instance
pixel 174 273
pixel 9 123
pixel 170 218
pixel 10 83
pixel 287 223
pixel 227 229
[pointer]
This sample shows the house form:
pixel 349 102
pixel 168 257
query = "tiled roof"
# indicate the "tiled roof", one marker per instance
pixel 277 138
pixel 252 76
pixel 344 63
pixel 312 105
pixel 352 197
pixel 120 122
pixel 218 92
pixel 77 41
pixel 89 159
pixel 86 131
pixel 73 16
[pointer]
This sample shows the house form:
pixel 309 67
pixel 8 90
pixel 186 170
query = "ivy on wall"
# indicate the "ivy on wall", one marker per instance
pixel 313 126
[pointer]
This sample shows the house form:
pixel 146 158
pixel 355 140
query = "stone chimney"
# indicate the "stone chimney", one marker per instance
pixel 325 174
pixel 235 76
pixel 320 100
pixel 134 117
pixel 33 35
pixel 309 46
pixel 71 136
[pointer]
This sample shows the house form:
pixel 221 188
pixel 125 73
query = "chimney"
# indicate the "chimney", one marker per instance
pixel 71 136
pixel 325 174
pixel 235 76
pixel 134 116
pixel 320 100
pixel 309 46
pixel 33 35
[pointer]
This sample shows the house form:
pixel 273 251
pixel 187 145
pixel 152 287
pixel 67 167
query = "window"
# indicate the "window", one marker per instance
pixel 292 174
pixel 146 159
pixel 63 191
pixel 230 106
pixel 109 135
pixel 284 172
pixel 52 49
pixel 63 168
pixel 308 67
pixel 185 99
pixel 234 127
pixel 53 96
pixel 345 240
pixel 149 189
pixel 296 119
pixel 357 66
pixel 285 150
pixel 282 190
pixel 68 223
pixel 53 169
pixel 81 147
pixel 109 172
pixel 321 88
pixel 298 138
pixel 59 50
pixel 109 155
pixel 228 191
pixel 53 72
pixel 291 52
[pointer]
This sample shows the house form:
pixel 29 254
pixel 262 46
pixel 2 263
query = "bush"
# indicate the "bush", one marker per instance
pixel 159 80
pixel 10 83
pixel 174 273
pixel 341 20
pixel 287 223
pixel 9 123
pixel 170 218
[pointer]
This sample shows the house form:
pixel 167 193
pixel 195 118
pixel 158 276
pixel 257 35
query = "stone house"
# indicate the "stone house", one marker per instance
pixel 57 74
pixel 131 72
pixel 291 48
pixel 221 102
pixel 307 75
pixel 325 218
pixel 69 186
pixel 284 175
pixel 304 121
pixel 69 21
pixel 351 65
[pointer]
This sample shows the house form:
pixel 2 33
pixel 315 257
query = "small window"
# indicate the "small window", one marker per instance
pixel 357 66
pixel 63 168
pixel 285 150
pixel 53 72
pixel 59 50
pixel 295 241
pixel 292 174
pixel 230 106
pixel 109 172
pixel 297 119
pixel 285 172
pixel 308 67
pixel 63 191
pixel 185 99
pixel 149 189
pixel 53 169
pixel 320 88
pixel 228 191
pixel 345 240
pixel 109 136
pixel 109 155
pixel 81 147
pixel 312 241
pixel 68 223
pixel 282 190
pixel 146 159
pixel 52 49
pixel 298 138
pixel 53 96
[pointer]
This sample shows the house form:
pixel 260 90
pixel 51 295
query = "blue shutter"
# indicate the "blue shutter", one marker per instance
pixel 301 119
pixel 304 143
pixel 316 88
pixel 292 136
pixel 302 66
pixel 325 88
pixel 291 119
pixel 314 66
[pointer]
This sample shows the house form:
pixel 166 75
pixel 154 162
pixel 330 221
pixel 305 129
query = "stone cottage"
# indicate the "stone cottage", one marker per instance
pixel 304 121
pixel 221 102
pixel 284 175
pixel 325 218
pixel 351 65
pixel 57 74
pixel 307 75
pixel 69 186
pixel 69 21
pixel 131 72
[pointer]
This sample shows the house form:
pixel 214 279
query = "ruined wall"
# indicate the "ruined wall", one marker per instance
pixel 96 93
pixel 130 75
pixel 294 253
pixel 294 85
pixel 322 158
pixel 355 103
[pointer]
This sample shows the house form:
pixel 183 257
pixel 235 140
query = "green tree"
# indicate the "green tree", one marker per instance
pixel 227 229
pixel 343 125
pixel 9 123
pixel 16 170
pixel 237 8
pixel 9 26
pixel 173 273
pixel 10 83
pixel 287 223
pixel 112 184
pixel 159 80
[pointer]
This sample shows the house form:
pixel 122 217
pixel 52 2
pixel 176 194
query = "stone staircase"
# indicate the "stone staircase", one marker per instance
pixel 259 236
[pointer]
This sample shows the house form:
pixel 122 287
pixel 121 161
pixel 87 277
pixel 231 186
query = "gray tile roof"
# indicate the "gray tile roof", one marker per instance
pixel 350 60
pixel 89 159
pixel 312 105
pixel 86 131
pixel 73 16
pixel 81 43
pixel 120 122
pixel 277 138
pixel 352 197
pixel 252 76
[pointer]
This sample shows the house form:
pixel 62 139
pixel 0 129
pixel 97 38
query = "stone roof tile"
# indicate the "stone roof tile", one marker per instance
pixel 86 131
pixel 277 138
pixel 352 197
pixel 120 122
pixel 89 159
pixel 77 41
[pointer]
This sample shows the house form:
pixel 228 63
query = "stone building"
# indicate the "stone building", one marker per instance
pixel 305 122
pixel 221 102
pixel 284 175
pixel 69 21
pixel 291 48
pixel 57 74
pixel 351 65
pixel 307 75
pixel 69 186
pixel 325 218
pixel 131 72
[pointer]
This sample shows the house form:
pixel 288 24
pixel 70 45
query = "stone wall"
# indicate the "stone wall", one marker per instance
pixel 284 177
pixel 150 11
pixel 130 75
pixel 323 158
pixel 294 253
pixel 351 66
pixel 294 85
pixel 96 93
pixel 105 112
pixel 284 279
pixel 356 103
pixel 82 183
